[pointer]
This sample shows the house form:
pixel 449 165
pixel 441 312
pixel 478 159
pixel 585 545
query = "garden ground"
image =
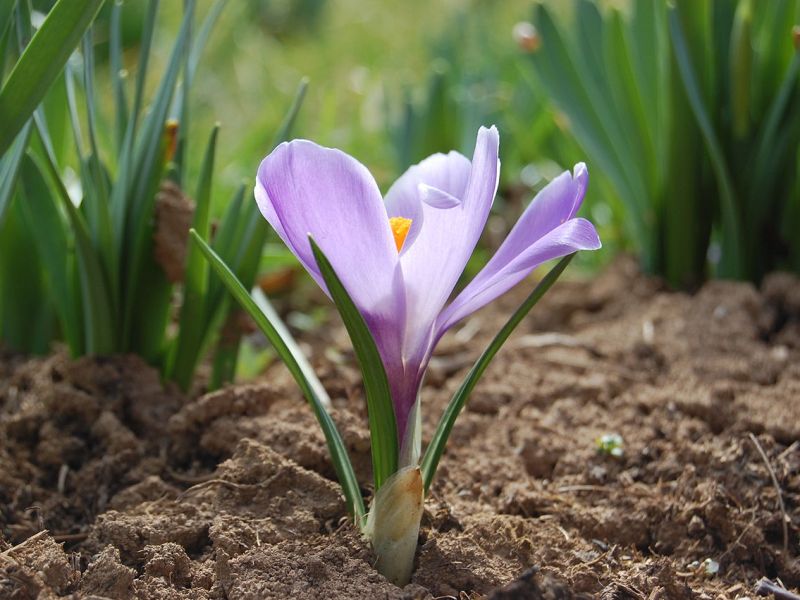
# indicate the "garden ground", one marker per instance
pixel 146 493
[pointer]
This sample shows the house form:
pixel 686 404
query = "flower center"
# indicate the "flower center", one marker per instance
pixel 400 227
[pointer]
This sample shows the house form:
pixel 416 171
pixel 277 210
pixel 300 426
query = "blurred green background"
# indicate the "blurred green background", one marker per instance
pixel 686 113
pixel 389 83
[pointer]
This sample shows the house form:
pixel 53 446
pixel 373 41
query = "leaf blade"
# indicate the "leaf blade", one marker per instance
pixel 298 367
pixel 41 62
pixel 435 448
pixel 382 423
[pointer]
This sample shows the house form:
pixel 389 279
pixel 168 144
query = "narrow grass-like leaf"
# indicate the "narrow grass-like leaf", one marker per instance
pixel 117 74
pixel 288 122
pixel 27 320
pixel 382 423
pixel 9 167
pixel 193 323
pixel 50 237
pixel 730 263
pixel 149 162
pixel 96 193
pixel 200 41
pixel 145 44
pixel 98 321
pixel 41 62
pixel 72 107
pixel 437 444
pixel 305 378
pixel 764 155
pixel 6 10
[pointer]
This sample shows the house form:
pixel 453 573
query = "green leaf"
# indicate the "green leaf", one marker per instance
pixel 576 94
pixel 97 192
pixel 288 122
pixel 144 180
pixel 98 321
pixel 52 241
pixel 193 321
pixel 6 10
pixel 731 264
pixel 311 387
pixel 117 69
pixel 27 320
pixel 41 62
pixel 9 167
pixel 437 444
pixel 382 423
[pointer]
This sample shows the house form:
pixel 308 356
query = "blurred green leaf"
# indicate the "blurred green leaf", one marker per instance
pixel 96 305
pixel 730 262
pixel 193 323
pixel 9 167
pixel 51 238
pixel 41 62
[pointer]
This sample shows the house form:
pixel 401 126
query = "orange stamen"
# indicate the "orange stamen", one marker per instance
pixel 400 228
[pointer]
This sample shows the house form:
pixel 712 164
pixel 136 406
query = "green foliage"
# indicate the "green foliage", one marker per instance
pixel 95 271
pixel 686 112
pixel 435 449
pixel 382 424
pixel 280 338
pixel 41 62
pixel 383 435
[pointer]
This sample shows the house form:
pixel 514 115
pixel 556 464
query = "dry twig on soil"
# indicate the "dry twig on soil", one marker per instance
pixel 777 489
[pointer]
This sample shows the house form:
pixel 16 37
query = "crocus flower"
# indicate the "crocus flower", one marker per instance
pixel 399 258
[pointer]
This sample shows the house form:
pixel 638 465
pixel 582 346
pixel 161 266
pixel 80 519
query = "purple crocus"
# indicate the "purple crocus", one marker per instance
pixel 399 258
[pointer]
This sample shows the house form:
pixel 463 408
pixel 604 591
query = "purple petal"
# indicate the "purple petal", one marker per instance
pixel 304 189
pixel 437 198
pixel 545 231
pixel 434 261
pixel 447 173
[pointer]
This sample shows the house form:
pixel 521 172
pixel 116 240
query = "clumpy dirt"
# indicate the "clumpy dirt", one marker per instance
pixel 114 486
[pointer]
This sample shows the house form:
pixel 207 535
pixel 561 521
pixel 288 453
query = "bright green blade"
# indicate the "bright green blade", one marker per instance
pixel 436 447
pixel 382 423
pixel 41 62
pixel 298 367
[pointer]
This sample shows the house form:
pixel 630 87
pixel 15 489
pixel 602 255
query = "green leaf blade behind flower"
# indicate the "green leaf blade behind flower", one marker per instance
pixel 41 62
pixel 382 423
pixel 311 387
pixel 731 263
pixel 435 449
pixel 193 322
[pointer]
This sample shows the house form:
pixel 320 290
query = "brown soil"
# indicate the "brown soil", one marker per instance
pixel 146 494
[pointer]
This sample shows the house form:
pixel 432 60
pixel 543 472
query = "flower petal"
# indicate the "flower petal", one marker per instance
pixel 447 173
pixel 545 231
pixel 304 189
pixel 434 261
